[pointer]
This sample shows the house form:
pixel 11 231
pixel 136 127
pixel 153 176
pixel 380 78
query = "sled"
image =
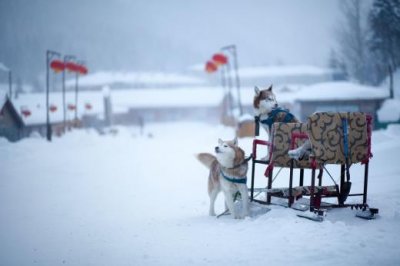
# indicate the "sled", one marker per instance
pixel 341 139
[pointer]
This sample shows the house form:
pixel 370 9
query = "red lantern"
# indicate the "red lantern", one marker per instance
pixel 26 112
pixel 82 70
pixel 88 106
pixel 57 66
pixel 211 67
pixel 220 59
pixel 71 107
pixel 71 67
pixel 53 108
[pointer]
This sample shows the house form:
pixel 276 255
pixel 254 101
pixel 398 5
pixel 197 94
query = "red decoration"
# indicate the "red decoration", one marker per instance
pixel 72 67
pixel 211 67
pixel 88 106
pixel 57 66
pixel 82 70
pixel 26 112
pixel 71 107
pixel 220 59
pixel 53 108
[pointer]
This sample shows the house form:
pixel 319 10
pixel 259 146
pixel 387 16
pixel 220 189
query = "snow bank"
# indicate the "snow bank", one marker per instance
pixel 390 111
pixel 140 198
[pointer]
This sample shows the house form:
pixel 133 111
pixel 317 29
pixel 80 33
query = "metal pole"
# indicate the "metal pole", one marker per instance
pixel 63 96
pixel 235 65
pixel 232 50
pixel 66 59
pixel 48 127
pixel 228 73
pixel 76 97
pixel 10 83
pixel 49 54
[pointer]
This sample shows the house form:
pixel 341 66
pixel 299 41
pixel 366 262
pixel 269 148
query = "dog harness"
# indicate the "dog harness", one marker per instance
pixel 275 111
pixel 240 180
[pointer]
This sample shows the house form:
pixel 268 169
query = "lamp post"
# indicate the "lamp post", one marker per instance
pixel 10 83
pixel 6 69
pixel 49 55
pixel 79 70
pixel 232 50
pixel 67 58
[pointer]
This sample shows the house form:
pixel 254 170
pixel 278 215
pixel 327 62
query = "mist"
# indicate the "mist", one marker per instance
pixel 151 35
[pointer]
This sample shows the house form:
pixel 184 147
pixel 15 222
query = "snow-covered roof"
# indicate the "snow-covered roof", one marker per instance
pixel 148 78
pixel 321 92
pixel 122 101
pixel 340 91
pixel 277 71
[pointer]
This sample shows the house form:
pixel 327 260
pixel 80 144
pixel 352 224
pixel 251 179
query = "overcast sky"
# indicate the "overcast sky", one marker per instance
pixel 165 35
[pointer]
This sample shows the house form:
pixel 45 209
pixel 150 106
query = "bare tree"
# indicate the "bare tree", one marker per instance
pixel 352 36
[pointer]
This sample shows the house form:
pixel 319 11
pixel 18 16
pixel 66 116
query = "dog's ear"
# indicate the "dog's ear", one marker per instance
pixel 256 90
pixel 235 141
pixel 220 141
pixel 270 88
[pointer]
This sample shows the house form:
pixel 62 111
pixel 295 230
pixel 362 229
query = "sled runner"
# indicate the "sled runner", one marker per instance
pixel 367 213
pixel 342 139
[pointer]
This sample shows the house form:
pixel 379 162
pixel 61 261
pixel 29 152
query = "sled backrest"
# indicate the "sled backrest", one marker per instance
pixel 281 144
pixel 326 133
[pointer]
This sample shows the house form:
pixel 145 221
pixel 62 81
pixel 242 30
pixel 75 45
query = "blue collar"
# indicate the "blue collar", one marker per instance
pixel 240 180
pixel 271 116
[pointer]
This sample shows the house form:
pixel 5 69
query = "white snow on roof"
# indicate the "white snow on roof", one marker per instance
pixel 277 71
pixel 149 78
pixel 122 101
pixel 321 92
pixel 340 91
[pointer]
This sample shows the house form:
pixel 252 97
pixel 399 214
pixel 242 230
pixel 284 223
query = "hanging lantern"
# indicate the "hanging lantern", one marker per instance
pixel 220 59
pixel 71 67
pixel 57 65
pixel 53 108
pixel 81 69
pixel 88 106
pixel 211 67
pixel 71 107
pixel 26 112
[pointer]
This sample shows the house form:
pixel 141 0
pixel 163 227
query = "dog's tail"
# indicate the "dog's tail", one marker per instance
pixel 206 159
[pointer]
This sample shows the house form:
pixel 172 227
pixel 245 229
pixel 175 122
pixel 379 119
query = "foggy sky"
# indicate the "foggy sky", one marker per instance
pixel 164 35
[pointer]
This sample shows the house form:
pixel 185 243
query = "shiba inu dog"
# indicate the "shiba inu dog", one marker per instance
pixel 268 111
pixel 228 173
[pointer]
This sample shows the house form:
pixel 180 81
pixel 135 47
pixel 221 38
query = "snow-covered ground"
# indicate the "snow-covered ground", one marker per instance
pixel 132 199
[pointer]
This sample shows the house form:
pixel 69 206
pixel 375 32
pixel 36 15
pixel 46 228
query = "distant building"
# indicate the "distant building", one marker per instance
pixel 11 124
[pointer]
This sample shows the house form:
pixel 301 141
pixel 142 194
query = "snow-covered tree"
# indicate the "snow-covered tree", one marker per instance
pixel 384 20
pixel 352 39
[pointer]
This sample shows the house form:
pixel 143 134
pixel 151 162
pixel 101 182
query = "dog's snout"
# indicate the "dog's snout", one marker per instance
pixel 217 149
pixel 275 105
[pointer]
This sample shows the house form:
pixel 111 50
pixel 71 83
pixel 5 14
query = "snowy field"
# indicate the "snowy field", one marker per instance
pixel 131 199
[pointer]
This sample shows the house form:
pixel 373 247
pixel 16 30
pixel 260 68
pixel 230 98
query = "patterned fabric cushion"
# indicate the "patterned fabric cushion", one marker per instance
pixel 281 140
pixel 325 131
